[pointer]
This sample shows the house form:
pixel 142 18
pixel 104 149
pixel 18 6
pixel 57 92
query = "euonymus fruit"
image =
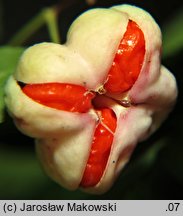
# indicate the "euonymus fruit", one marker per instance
pixel 89 101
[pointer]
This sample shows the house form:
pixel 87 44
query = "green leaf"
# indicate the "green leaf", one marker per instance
pixel 8 60
pixel 173 35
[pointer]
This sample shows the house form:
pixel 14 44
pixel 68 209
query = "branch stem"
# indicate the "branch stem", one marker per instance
pixel 47 16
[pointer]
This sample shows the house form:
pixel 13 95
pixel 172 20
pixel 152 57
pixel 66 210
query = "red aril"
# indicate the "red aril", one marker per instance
pixel 68 97
pixel 128 60
pixel 100 149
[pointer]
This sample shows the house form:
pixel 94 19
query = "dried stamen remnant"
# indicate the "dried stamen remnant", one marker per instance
pixel 128 60
pixel 101 146
pixel 68 97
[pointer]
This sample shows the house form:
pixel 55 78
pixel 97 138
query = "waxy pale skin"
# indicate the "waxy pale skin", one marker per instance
pixel 67 133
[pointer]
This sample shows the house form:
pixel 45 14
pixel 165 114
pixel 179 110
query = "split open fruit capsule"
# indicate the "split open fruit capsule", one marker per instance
pixel 89 101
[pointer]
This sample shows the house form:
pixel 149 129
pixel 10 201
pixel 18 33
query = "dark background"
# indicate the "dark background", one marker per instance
pixel 16 13
pixel 156 167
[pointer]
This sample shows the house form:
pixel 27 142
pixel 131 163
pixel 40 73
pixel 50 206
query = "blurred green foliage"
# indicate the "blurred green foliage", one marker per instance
pixel 173 35
pixel 156 167
pixel 8 60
